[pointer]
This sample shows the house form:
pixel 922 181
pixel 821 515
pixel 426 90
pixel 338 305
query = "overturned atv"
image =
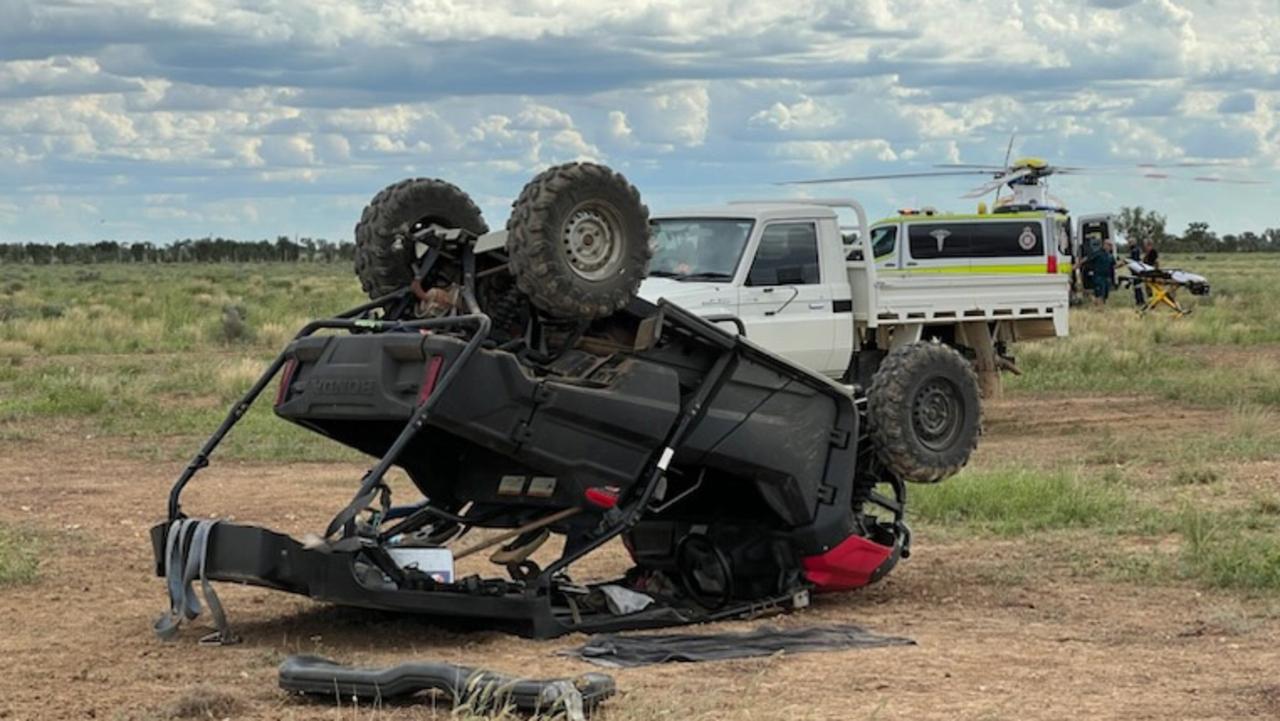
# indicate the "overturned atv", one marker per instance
pixel 521 386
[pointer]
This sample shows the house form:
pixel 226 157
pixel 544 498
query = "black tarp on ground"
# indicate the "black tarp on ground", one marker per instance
pixel 628 650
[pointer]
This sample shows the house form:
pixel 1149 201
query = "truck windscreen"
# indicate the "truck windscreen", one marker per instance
pixel 698 248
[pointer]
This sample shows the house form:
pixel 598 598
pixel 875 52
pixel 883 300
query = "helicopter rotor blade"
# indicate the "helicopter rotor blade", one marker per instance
pixel 1008 153
pixel 885 176
pixel 1232 181
pixel 1186 164
pixel 1155 174
pixel 972 166
pixel 1140 167
pixel 997 183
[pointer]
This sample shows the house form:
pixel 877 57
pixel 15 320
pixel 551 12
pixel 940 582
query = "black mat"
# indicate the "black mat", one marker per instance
pixel 628 650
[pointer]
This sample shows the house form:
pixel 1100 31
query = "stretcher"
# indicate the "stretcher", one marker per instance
pixel 1160 287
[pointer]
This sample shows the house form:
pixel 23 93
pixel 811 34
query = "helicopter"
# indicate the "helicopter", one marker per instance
pixel 1027 182
pixel 1027 178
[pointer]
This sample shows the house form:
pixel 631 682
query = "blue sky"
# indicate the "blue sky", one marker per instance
pixel 151 121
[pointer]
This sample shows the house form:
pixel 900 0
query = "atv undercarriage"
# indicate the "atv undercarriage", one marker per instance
pixel 737 481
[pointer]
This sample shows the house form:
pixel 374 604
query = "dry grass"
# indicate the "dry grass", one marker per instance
pixel 204 702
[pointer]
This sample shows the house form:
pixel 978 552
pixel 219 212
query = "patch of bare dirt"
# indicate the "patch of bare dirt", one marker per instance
pixel 1053 430
pixel 78 644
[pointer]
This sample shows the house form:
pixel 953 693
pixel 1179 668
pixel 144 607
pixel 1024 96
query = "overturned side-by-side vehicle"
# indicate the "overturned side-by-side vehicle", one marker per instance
pixel 521 385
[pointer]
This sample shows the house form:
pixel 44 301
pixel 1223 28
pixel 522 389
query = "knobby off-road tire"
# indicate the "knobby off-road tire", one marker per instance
pixel 578 241
pixel 384 251
pixel 923 411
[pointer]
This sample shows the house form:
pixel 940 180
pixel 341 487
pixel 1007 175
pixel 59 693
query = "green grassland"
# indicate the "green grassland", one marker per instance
pixel 153 356
pixel 1226 352
pixel 147 351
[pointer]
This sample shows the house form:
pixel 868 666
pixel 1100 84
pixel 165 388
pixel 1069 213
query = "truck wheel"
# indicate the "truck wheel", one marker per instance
pixel 384 254
pixel 578 241
pixel 923 411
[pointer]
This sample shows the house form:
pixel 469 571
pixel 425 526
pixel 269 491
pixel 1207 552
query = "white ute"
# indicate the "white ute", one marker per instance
pixel 804 290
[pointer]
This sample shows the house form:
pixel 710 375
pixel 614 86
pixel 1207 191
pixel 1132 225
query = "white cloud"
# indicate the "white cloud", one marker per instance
pixel 619 128
pixel 243 99
pixel 804 114
pixel 831 154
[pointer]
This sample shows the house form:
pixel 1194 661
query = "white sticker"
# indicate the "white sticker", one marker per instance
pixel 941 236
pixel 665 460
pixel 1027 240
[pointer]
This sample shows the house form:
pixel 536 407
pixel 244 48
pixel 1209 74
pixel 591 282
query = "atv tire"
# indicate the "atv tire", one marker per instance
pixel 578 241
pixel 384 253
pixel 923 412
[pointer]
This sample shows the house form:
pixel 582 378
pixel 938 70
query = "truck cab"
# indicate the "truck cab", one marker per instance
pixel 779 268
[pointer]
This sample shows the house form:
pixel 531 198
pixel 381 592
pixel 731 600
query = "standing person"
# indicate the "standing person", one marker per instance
pixel 1150 255
pixel 1135 254
pixel 1104 272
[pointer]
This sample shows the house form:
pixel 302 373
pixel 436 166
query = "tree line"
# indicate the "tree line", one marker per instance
pixel 1135 224
pixel 187 250
pixel 1138 225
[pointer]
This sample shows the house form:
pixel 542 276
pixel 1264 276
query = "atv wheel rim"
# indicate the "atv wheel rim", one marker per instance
pixel 592 241
pixel 937 413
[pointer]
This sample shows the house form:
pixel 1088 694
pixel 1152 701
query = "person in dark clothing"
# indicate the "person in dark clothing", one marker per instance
pixel 1150 255
pixel 1104 271
pixel 1135 253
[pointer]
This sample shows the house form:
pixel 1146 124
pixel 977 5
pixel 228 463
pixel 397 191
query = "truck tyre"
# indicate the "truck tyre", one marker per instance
pixel 578 241
pixel 384 254
pixel 923 411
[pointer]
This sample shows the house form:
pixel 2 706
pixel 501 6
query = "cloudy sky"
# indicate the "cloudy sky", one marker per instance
pixel 134 120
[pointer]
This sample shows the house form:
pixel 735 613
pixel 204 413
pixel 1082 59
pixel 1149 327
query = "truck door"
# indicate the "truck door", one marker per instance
pixel 784 303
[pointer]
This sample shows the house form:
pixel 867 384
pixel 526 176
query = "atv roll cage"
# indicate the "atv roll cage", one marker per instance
pixel 839 545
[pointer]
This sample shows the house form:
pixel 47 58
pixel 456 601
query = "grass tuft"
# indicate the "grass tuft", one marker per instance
pixel 18 562
pixel 234 327
pixel 1195 476
pixel 1014 501
pixel 1221 552
pixel 204 702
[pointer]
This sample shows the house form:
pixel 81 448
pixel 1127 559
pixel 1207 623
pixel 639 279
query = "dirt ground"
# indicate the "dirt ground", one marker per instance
pixel 77 643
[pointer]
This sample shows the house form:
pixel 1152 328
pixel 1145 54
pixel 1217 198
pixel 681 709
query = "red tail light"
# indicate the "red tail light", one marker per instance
pixel 430 377
pixel 1051 266
pixel 605 497
pixel 282 393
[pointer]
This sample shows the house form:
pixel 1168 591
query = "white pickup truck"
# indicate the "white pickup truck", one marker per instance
pixel 786 274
